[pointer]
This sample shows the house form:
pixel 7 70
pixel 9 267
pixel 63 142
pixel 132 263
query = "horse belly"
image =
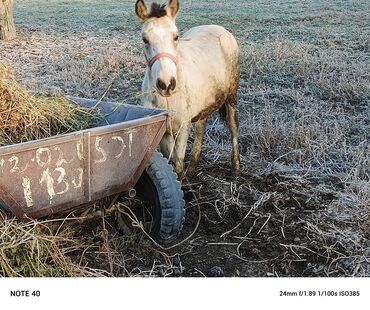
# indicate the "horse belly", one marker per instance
pixel 212 106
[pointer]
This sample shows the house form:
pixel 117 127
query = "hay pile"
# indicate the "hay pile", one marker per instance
pixel 82 244
pixel 34 250
pixel 24 117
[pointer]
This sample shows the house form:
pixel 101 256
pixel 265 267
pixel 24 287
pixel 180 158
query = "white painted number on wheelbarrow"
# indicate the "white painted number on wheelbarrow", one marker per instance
pixel 27 191
pixel 129 143
pixel 52 185
pixel 61 185
pixel 103 153
pixel 61 179
pixel 117 138
pixel 39 153
pixel 2 162
pixel 48 179
pixel 15 168
pixel 50 182
pixel 78 183
pixel 103 157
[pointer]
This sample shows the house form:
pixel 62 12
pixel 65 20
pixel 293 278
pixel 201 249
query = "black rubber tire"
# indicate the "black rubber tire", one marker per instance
pixel 159 183
pixel 4 210
pixel 3 206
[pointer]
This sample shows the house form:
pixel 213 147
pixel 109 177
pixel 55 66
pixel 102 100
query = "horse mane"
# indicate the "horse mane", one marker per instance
pixel 157 10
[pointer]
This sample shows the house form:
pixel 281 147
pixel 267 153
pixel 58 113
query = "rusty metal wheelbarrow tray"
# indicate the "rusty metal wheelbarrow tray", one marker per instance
pixel 50 176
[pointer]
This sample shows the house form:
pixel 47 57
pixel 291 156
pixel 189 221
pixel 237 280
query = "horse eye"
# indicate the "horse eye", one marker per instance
pixel 176 38
pixel 145 41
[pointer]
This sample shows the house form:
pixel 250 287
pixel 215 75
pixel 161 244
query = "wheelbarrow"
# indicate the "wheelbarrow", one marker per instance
pixel 47 177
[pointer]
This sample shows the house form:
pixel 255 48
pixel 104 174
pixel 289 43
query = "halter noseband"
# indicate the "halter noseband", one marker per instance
pixel 161 55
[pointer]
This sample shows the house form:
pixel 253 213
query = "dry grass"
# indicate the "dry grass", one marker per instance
pixel 87 243
pixel 41 249
pixel 301 205
pixel 307 107
pixel 24 117
pixel 83 66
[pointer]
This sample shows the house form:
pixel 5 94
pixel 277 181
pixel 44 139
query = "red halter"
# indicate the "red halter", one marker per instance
pixel 161 55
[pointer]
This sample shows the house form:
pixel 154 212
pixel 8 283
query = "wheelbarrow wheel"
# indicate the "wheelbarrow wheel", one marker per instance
pixel 4 210
pixel 160 188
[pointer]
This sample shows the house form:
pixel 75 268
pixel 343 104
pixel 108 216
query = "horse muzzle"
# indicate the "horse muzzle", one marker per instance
pixel 163 86
pixel 166 89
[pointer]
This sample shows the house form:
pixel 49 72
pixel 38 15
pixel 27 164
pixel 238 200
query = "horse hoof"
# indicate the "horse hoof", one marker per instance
pixel 191 171
pixel 180 173
pixel 235 172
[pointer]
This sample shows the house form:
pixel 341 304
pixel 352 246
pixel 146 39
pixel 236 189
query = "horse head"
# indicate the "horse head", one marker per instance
pixel 160 36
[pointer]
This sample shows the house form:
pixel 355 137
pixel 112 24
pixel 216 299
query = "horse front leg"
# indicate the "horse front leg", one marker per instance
pixel 180 148
pixel 167 145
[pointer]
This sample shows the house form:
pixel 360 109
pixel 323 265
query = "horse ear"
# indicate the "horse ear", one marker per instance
pixel 173 8
pixel 141 10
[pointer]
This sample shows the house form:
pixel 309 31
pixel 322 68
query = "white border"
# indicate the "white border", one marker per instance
pixel 183 293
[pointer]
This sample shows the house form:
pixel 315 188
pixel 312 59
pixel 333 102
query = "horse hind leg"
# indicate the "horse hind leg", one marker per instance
pixel 200 127
pixel 233 124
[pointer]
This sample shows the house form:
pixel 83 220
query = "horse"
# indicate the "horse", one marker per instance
pixel 191 77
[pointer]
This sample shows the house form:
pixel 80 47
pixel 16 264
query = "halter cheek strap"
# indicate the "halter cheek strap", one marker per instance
pixel 161 55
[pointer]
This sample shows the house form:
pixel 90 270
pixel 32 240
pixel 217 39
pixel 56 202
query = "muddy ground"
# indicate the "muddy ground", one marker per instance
pixel 245 230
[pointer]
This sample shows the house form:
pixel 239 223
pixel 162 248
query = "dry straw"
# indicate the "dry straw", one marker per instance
pixel 38 249
pixel 24 117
